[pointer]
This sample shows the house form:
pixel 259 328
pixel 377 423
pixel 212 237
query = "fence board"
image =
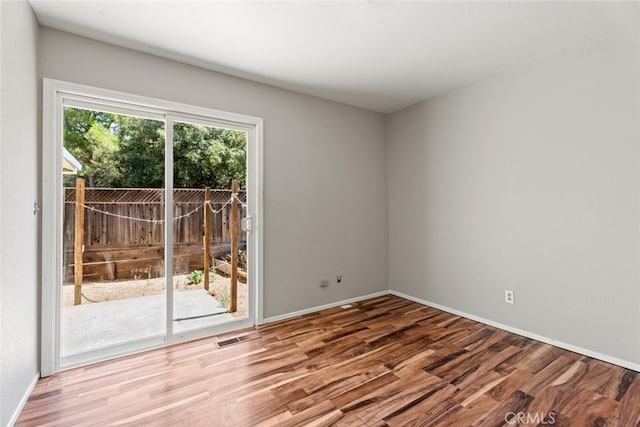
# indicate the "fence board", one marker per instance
pixel 108 232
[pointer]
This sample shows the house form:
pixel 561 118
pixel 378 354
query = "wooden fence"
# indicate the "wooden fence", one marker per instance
pixel 124 231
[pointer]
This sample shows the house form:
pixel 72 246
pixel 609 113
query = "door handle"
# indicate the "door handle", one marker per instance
pixel 247 224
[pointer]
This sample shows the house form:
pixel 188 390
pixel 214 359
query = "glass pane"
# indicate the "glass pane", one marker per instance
pixel 113 230
pixel 207 160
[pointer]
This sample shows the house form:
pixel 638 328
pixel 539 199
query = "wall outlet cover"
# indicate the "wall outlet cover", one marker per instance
pixel 509 297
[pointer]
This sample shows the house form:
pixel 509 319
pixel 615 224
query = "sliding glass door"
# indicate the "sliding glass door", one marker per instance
pixel 209 206
pixel 113 227
pixel 153 241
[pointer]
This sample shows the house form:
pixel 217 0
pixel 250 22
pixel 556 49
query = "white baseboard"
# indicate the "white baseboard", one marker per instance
pixel 23 401
pixel 606 358
pixel 321 307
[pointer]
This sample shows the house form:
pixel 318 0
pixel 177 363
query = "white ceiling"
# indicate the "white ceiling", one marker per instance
pixel 382 56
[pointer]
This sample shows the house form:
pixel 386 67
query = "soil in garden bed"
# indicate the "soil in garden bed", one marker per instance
pixel 97 292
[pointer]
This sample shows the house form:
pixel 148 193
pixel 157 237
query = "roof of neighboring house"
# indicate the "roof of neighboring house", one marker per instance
pixel 70 165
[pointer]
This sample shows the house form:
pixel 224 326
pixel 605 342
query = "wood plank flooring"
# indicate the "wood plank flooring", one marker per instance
pixel 384 362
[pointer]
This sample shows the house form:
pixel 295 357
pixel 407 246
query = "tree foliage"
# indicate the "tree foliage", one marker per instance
pixel 89 137
pixel 140 158
pixel 128 152
pixel 208 154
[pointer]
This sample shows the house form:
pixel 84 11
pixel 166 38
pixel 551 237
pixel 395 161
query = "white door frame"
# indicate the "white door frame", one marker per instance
pixel 55 94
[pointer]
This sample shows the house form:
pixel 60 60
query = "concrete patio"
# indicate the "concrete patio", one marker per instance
pixel 92 326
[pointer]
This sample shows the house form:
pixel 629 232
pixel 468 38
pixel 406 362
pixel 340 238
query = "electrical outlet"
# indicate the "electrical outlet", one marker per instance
pixel 339 279
pixel 509 297
pixel 324 283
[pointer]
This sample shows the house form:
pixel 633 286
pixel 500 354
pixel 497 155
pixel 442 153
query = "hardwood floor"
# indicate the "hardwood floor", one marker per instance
pixel 384 362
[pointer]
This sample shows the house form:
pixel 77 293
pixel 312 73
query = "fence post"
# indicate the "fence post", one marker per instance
pixel 233 297
pixel 207 232
pixel 78 244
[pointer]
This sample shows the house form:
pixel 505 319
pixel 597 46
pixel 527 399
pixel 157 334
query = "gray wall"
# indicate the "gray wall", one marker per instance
pixel 324 172
pixel 19 183
pixel 528 181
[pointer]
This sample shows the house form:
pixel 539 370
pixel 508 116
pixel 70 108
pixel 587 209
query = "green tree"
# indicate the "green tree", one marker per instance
pixel 89 138
pixel 208 156
pixel 140 159
pixel 126 151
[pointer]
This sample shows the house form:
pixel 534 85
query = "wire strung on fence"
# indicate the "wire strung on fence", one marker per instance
pixel 243 204
pixel 233 196
pixel 162 221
